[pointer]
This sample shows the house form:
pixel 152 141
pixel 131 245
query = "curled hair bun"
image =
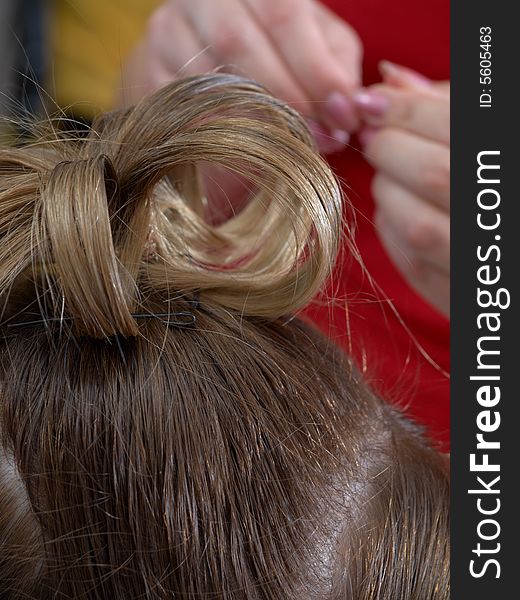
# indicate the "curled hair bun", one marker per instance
pixel 101 223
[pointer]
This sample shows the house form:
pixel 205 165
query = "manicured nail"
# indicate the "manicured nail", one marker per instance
pixel 371 104
pixel 397 74
pixel 328 141
pixel 339 112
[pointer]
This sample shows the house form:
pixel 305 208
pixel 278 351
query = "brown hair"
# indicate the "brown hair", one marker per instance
pixel 239 457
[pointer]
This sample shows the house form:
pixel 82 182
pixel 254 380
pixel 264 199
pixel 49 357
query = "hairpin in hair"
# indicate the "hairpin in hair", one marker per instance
pixel 195 301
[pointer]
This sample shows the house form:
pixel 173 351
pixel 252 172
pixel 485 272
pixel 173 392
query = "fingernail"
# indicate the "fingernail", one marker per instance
pixel 339 112
pixel 391 71
pixel 366 135
pixel 371 104
pixel 328 141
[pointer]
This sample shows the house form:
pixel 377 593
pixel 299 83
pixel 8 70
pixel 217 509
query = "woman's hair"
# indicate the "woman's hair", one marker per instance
pixel 168 428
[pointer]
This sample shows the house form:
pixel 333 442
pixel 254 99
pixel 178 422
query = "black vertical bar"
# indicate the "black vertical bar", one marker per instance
pixel 484 112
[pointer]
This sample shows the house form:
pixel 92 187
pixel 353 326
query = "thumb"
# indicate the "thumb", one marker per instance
pixel 404 77
pixel 346 53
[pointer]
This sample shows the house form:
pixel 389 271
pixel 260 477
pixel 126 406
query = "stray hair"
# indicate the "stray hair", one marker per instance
pixel 242 457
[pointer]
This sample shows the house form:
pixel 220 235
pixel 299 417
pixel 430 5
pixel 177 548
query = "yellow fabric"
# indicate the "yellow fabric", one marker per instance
pixel 90 39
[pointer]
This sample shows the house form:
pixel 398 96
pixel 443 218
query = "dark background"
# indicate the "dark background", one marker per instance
pixel 473 130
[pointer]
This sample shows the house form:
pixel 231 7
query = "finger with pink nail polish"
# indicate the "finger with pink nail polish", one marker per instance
pixel 403 76
pixel 372 106
pixel 328 141
pixel 339 112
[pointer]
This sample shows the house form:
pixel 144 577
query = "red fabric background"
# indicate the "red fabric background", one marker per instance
pixel 415 34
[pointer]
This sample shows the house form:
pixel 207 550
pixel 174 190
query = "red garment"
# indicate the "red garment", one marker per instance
pixel 414 34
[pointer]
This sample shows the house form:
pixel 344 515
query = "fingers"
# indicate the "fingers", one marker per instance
pixel 238 43
pixel 344 43
pixel 169 49
pixel 301 35
pixel 406 137
pixel 328 141
pixel 431 283
pixel 443 87
pixel 301 51
pixel 345 46
pixel 426 115
pixel 174 47
pixel 417 164
pixel 301 42
pixel 403 77
pixel 423 228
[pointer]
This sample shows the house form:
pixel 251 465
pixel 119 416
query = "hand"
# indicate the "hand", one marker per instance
pixel 407 141
pixel 300 50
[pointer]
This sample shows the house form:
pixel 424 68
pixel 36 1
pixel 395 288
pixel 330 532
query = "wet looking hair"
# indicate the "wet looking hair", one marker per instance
pixel 240 456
